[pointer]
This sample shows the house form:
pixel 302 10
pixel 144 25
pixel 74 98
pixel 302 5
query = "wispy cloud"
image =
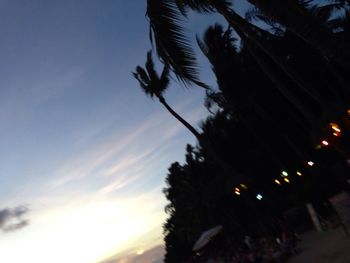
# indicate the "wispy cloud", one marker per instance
pixel 124 152
pixel 118 183
pixel 11 219
pixel 89 199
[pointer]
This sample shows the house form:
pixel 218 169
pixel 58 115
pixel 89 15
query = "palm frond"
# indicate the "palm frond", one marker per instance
pixel 325 12
pixel 172 44
pixel 142 75
pixel 164 78
pixel 216 40
pixel 254 14
pixel 149 80
pixel 150 67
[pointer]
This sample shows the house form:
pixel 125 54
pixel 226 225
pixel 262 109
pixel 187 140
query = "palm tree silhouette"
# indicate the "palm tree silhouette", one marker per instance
pixel 295 17
pixel 154 86
pixel 174 48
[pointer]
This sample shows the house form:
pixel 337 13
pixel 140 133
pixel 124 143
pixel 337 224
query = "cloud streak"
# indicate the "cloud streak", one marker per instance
pixel 93 194
pixel 124 152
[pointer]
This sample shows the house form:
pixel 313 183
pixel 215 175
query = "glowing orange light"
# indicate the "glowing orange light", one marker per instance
pixel 237 191
pixel 335 134
pixel 335 127
pixel 286 180
pixel 325 143
pixel 299 173
pixel 277 182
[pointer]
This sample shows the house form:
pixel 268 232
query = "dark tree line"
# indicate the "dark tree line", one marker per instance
pixel 281 102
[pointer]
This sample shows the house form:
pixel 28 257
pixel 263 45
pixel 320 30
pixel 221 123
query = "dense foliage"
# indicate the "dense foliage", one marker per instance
pixel 281 101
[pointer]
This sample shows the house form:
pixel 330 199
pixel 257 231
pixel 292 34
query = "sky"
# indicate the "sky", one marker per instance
pixel 83 152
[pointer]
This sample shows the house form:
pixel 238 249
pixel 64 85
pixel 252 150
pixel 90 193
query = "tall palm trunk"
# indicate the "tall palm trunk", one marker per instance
pixel 179 118
pixel 291 15
pixel 227 168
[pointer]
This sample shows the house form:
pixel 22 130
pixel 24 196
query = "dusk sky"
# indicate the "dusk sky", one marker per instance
pixel 83 152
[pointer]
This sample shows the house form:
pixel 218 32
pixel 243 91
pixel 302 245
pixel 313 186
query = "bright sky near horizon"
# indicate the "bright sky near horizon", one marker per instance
pixel 83 152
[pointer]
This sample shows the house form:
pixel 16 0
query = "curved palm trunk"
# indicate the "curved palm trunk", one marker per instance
pixel 307 27
pixel 212 153
pixel 179 118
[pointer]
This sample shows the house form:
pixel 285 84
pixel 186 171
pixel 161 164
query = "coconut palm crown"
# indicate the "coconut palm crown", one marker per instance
pixel 151 83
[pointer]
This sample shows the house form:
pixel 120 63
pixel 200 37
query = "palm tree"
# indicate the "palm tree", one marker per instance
pixel 217 47
pixel 232 69
pixel 174 48
pixel 295 17
pixel 154 86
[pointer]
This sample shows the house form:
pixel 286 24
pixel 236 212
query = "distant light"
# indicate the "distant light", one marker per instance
pixel 310 163
pixel 284 173
pixel 335 134
pixel 259 196
pixel 286 180
pixel 299 173
pixel 237 191
pixel 335 127
pixel 349 112
pixel 318 147
pixel 244 186
pixel 325 143
pixel 277 182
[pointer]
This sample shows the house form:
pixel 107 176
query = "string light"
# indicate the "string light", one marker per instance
pixel 284 174
pixel 335 127
pixel 244 186
pixel 336 132
pixel 259 197
pixel 237 191
pixel 310 163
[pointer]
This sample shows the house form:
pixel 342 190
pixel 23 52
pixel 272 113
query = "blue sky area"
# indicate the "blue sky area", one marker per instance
pixel 83 152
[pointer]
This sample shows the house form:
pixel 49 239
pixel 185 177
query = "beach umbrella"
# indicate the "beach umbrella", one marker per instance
pixel 205 237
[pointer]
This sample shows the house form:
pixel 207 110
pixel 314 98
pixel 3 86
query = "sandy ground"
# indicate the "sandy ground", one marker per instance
pixel 329 246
